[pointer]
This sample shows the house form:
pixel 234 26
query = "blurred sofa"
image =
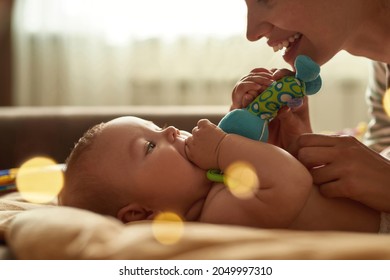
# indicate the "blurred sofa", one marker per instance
pixel 52 131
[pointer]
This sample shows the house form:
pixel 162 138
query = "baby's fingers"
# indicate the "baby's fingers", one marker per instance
pixel 247 86
pixel 280 73
pixel 258 79
pixel 244 92
pixel 261 71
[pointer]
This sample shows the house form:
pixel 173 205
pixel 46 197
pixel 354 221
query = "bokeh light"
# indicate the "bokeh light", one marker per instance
pixel 241 179
pixel 386 102
pixel 39 180
pixel 167 228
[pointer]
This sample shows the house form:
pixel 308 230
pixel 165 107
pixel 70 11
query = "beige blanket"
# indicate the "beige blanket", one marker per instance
pixel 52 232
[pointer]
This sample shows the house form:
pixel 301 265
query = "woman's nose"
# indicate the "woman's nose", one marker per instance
pixel 257 28
pixel 171 133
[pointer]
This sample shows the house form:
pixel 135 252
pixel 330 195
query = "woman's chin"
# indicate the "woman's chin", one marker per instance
pixel 292 52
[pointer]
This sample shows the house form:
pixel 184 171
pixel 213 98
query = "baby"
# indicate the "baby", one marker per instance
pixel 131 169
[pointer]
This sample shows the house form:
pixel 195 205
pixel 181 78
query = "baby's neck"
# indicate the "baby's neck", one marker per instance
pixel 195 210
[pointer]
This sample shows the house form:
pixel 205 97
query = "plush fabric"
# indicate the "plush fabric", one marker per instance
pixel 54 232
pixel 11 205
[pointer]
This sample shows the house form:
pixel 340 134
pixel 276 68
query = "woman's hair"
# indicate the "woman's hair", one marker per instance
pixel 83 187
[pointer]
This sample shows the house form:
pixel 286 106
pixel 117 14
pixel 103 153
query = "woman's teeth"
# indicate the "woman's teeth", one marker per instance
pixel 286 43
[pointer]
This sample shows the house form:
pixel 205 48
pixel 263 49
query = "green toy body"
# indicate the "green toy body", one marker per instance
pixel 280 93
pixel 252 122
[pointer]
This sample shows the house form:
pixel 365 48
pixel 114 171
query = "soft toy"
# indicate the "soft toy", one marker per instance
pixel 252 122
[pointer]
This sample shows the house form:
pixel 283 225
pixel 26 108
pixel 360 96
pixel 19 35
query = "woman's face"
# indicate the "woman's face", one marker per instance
pixel 315 28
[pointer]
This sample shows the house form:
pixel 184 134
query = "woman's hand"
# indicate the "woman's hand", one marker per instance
pixel 288 125
pixel 250 86
pixel 202 147
pixel 343 167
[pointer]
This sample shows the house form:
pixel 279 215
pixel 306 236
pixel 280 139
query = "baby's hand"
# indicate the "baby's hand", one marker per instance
pixel 250 86
pixel 203 146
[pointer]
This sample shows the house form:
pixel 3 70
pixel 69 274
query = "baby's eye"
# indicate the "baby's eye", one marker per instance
pixel 149 147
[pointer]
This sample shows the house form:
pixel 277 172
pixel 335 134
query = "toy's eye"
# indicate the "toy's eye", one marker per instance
pixel 149 147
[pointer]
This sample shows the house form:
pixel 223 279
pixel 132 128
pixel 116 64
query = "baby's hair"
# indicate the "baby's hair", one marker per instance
pixel 84 143
pixel 83 188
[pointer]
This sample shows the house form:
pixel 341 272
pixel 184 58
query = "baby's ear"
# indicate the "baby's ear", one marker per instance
pixel 134 212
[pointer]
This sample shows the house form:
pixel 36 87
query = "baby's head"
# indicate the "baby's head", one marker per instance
pixel 131 169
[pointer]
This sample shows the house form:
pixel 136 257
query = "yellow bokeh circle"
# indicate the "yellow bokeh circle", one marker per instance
pixel 39 180
pixel 168 228
pixel 386 102
pixel 241 179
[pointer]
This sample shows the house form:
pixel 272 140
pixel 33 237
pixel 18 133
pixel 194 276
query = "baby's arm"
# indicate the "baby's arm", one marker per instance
pixel 284 183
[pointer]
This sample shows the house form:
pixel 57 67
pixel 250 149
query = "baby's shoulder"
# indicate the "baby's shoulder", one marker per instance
pixel 222 207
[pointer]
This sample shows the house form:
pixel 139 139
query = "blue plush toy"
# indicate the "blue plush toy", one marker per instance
pixel 252 122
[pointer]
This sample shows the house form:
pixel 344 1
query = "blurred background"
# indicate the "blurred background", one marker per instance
pixel 171 52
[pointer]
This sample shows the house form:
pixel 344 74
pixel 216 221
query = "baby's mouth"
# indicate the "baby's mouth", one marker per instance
pixel 182 148
pixel 288 43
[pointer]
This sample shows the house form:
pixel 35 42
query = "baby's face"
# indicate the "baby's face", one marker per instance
pixel 149 164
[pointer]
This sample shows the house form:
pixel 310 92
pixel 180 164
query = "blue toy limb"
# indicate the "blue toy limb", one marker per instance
pixel 308 71
pixel 244 123
pixel 314 86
